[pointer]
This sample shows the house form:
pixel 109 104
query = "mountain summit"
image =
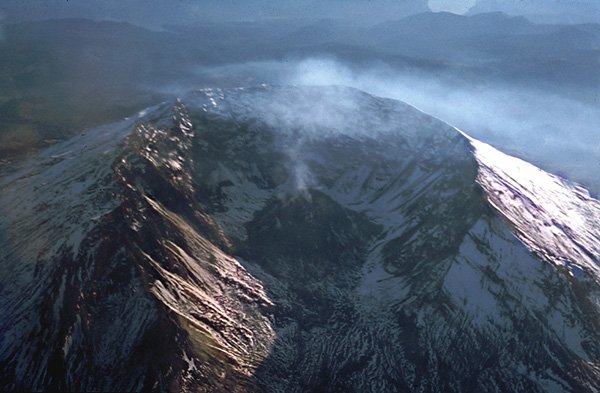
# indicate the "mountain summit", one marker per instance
pixel 294 239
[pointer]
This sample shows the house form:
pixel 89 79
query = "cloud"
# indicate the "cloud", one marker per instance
pixel 554 132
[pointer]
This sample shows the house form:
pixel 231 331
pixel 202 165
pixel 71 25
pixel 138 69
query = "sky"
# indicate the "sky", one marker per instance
pixel 159 12
pixel 185 11
pixel 454 6
pixel 544 11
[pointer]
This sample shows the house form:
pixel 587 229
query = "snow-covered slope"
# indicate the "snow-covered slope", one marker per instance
pixel 294 239
pixel 555 218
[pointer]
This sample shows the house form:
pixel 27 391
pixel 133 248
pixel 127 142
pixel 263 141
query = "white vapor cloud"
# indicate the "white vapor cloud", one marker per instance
pixel 554 132
pixel 557 133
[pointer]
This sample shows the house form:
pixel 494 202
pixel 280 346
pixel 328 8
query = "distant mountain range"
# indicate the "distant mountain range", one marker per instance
pixel 60 76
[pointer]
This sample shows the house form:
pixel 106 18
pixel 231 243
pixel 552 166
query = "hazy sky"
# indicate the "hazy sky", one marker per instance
pixel 547 11
pixel 185 11
pixel 159 12
pixel 455 6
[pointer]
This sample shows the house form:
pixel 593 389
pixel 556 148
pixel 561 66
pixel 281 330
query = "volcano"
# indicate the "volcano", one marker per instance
pixel 297 239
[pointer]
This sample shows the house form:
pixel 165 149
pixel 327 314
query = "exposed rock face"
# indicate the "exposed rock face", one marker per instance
pixel 115 280
pixel 294 239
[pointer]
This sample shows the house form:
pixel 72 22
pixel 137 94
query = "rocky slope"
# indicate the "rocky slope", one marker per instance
pixel 294 239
